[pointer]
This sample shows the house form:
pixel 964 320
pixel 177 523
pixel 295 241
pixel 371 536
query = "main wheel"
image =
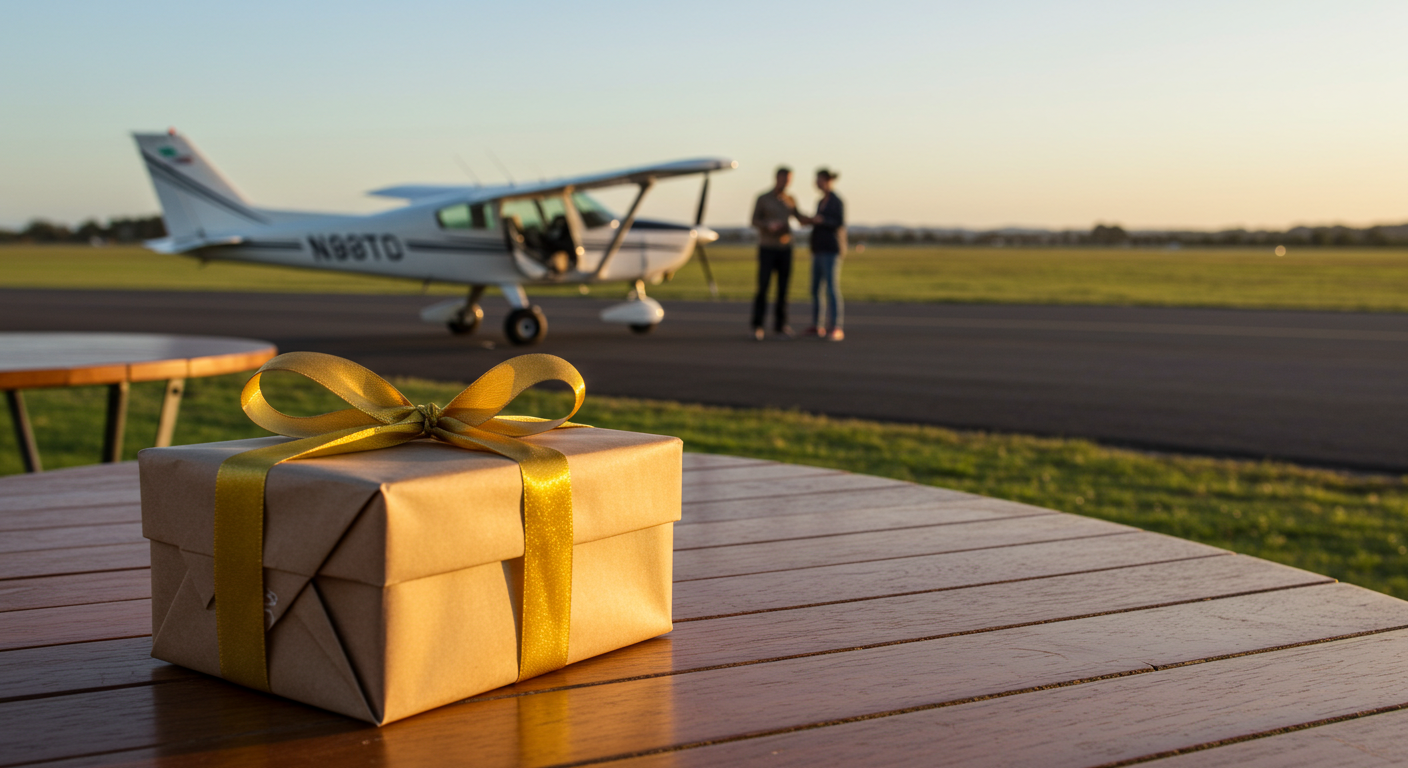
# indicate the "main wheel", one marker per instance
pixel 642 328
pixel 526 326
pixel 467 321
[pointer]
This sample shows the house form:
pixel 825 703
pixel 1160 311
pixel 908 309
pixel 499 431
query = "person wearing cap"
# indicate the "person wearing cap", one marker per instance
pixel 828 244
pixel 772 217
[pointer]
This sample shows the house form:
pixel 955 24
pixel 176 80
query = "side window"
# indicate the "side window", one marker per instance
pixel 454 217
pixel 525 213
pixel 465 216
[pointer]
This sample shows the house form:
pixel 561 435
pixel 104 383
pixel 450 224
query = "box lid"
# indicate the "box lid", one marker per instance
pixel 416 510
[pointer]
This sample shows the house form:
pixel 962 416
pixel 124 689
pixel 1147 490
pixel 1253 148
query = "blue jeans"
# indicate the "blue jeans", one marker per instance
pixel 826 267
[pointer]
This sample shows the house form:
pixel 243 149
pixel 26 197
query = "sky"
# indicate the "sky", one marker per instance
pixel 1047 114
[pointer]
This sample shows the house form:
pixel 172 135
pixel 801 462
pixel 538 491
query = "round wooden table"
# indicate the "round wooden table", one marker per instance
pixel 45 359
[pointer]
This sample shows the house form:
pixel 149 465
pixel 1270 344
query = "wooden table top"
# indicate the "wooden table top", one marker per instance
pixel 822 618
pixel 55 359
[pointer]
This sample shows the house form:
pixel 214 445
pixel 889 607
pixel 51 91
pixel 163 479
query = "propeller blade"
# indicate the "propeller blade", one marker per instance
pixel 703 198
pixel 708 273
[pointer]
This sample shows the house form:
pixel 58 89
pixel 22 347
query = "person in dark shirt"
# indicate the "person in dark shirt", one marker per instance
pixel 828 246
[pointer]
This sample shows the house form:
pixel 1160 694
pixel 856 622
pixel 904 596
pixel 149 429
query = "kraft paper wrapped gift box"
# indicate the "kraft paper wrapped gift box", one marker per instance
pixel 393 577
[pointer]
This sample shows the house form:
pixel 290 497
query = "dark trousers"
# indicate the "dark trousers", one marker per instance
pixel 772 260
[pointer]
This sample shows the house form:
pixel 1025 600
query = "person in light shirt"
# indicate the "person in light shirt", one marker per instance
pixel 772 217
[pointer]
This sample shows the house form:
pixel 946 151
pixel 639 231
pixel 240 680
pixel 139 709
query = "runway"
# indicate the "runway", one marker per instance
pixel 1323 388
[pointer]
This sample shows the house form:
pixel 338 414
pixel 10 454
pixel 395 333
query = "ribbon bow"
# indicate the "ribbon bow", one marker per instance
pixel 381 417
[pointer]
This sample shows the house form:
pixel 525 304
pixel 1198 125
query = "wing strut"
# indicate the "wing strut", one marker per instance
pixel 624 228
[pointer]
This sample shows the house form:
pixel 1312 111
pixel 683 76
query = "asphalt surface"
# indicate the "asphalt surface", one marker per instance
pixel 1322 388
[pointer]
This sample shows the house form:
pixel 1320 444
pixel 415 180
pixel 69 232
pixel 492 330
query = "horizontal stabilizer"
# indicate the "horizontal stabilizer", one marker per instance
pixel 185 244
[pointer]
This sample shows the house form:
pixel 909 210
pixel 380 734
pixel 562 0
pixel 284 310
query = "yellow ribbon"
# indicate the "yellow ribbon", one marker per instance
pixel 381 417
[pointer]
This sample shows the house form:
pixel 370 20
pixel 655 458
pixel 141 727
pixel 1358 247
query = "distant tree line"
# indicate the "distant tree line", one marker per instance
pixel 126 230
pixel 135 230
pixel 1114 236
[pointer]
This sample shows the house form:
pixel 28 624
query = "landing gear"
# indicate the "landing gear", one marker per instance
pixel 466 321
pixel 461 316
pixel 639 312
pixel 526 326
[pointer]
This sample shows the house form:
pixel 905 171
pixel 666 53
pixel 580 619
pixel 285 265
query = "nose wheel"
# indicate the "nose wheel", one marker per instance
pixel 526 326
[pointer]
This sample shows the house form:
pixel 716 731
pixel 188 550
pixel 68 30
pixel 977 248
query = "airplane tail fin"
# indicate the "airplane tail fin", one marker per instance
pixel 196 200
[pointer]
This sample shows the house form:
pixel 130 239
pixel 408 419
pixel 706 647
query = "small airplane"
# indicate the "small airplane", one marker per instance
pixel 509 236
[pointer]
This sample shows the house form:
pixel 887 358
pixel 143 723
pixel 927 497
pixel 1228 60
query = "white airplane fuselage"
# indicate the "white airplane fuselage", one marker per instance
pixel 407 242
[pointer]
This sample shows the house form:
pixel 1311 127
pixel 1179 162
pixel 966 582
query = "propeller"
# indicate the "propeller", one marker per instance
pixel 699 247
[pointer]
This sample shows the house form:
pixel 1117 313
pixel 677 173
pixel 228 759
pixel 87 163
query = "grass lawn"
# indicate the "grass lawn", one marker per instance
pixel 1354 528
pixel 1371 279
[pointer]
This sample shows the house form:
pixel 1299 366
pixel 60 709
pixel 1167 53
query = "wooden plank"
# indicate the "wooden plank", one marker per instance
pixel 828 628
pixel 1107 721
pixel 861 581
pixel 754 473
pixel 78 589
pixel 786 487
pixel 86 472
pixel 728 532
pixel 118 511
pixel 73 624
pixel 70 536
pixel 73 496
pixel 855 500
pixel 1363 742
pixel 625 718
pixel 53 562
pixel 184 713
pixel 158 370
pixel 56 481
pixel 761 636
pixel 693 461
pixel 232 362
pixel 870 546
pixel 68 669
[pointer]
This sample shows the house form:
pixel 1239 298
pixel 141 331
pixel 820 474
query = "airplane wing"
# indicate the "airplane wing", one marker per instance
pixel 418 192
pixel 413 192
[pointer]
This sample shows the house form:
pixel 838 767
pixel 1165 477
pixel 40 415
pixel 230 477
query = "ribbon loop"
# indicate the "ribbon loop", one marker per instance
pixel 381 417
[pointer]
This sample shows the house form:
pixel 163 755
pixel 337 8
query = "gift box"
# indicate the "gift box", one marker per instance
pixel 394 579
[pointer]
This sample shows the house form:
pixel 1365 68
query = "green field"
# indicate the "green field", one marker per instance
pixel 1352 527
pixel 1370 279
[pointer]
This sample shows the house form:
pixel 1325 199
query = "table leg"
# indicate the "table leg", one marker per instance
pixel 117 422
pixel 24 433
pixel 170 407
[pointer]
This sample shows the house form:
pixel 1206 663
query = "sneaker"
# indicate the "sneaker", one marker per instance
pixel 786 332
pixel 814 331
pixel 757 334
pixel 836 335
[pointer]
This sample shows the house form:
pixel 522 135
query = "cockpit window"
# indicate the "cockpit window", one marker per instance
pixel 465 216
pixel 594 214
